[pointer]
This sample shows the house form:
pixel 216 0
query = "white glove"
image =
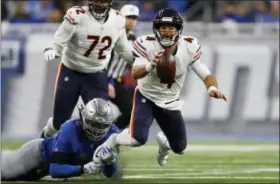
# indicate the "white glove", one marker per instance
pixel 105 155
pixel 50 55
pixel 92 168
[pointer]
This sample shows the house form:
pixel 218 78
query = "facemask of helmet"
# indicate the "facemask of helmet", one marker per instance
pixel 99 8
pixel 171 18
pixel 96 119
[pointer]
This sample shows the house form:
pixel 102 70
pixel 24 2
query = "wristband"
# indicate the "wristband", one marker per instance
pixel 149 67
pixel 212 88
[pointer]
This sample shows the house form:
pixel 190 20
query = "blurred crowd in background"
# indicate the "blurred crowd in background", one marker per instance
pixel 192 10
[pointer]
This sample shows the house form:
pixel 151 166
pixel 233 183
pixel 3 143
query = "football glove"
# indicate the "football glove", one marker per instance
pixel 105 155
pixel 50 54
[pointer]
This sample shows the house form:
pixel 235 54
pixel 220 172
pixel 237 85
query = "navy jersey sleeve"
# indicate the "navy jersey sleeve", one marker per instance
pixel 114 129
pixel 62 156
pixel 110 170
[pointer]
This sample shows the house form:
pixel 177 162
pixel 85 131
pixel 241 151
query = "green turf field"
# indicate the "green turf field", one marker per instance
pixel 205 162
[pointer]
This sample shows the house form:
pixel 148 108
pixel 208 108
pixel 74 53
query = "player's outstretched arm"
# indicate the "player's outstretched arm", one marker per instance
pixel 62 158
pixel 201 69
pixel 209 80
pixel 63 34
pixel 212 87
pixel 65 170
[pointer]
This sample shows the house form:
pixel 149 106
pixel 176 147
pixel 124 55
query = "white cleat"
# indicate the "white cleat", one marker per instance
pixel 163 150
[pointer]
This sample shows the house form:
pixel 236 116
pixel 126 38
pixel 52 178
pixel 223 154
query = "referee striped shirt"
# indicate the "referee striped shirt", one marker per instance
pixel 117 65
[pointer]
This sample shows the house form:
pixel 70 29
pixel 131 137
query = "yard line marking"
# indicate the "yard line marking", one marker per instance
pixel 160 176
pixel 205 163
pixel 156 169
pixel 236 148
pixel 212 171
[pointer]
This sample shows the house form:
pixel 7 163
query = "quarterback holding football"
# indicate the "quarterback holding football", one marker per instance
pixel 161 62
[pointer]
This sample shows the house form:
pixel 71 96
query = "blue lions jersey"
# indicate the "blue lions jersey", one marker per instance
pixel 65 154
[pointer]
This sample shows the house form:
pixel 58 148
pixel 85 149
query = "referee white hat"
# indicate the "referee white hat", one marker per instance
pixel 130 10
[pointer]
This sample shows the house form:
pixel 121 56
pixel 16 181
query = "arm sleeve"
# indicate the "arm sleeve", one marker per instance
pixel 195 57
pixel 123 47
pixel 62 157
pixel 200 69
pixel 65 171
pixel 63 34
pixel 110 170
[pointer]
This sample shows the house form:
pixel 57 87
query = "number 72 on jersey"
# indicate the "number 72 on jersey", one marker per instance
pixel 95 40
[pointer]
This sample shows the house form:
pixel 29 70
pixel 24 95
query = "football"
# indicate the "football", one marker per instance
pixel 166 67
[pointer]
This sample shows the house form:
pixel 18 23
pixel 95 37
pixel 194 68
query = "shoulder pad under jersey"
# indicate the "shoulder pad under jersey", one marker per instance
pixel 118 17
pixel 141 46
pixel 192 43
pixel 74 14
pixel 193 46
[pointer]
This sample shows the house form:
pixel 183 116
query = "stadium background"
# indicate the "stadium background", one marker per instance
pixel 240 45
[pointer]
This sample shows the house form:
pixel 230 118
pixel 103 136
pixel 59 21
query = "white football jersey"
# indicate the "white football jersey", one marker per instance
pixel 164 95
pixel 85 44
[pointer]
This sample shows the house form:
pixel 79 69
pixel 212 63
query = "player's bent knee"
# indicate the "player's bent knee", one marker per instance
pixel 136 142
pixel 179 149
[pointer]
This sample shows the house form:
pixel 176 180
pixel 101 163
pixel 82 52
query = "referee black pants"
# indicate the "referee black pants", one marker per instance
pixel 123 100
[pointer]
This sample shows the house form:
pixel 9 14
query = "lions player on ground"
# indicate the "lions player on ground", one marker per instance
pixel 71 153
pixel 153 99
pixel 84 41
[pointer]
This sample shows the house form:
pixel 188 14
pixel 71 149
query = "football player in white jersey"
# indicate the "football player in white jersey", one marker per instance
pixel 84 40
pixel 160 101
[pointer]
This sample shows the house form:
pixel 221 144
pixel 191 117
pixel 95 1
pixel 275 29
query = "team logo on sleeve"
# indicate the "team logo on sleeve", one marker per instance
pixel 55 149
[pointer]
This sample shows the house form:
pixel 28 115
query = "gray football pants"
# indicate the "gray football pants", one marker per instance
pixel 23 164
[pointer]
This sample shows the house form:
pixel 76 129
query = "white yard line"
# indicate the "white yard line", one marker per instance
pixel 236 148
pixel 159 176
pixel 205 163
pixel 212 171
pixel 206 171
pixel 158 169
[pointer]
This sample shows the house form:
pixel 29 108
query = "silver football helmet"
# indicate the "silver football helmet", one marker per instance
pixel 96 118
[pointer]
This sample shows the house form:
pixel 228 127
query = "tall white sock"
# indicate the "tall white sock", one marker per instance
pixel 49 129
pixel 164 139
pixel 124 138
